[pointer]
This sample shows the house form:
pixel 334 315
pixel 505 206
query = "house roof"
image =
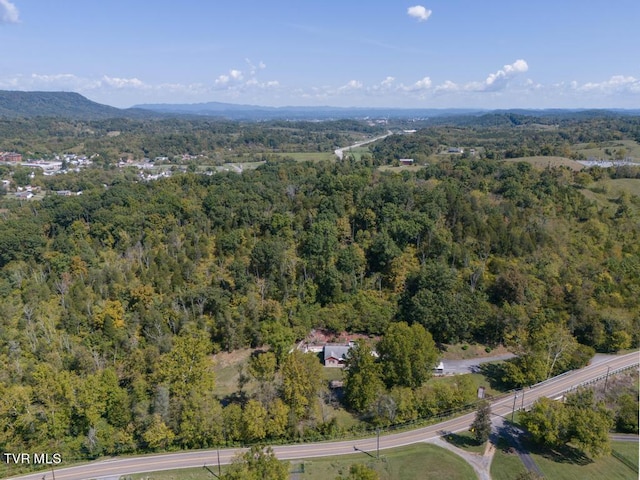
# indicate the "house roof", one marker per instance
pixel 336 351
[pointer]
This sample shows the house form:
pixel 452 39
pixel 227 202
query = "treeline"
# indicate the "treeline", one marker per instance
pixel 111 303
pixel 500 136
pixel 114 138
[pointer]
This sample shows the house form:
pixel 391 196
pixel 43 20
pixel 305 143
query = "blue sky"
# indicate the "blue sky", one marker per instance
pixel 382 53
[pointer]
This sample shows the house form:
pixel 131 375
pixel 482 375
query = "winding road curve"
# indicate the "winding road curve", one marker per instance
pixel 554 387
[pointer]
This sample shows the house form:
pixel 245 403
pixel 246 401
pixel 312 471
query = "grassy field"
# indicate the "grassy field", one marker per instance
pixel 604 192
pixel 477 380
pixel 599 150
pixel 562 467
pixel 331 373
pixel 544 162
pixel 629 450
pixel 400 168
pixel 408 463
pixel 614 187
pixel 505 466
pixel 357 152
pixel 465 351
pixel 227 370
pixel 186 474
pixel 310 156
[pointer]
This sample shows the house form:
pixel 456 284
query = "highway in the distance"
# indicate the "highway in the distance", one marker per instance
pixel 113 468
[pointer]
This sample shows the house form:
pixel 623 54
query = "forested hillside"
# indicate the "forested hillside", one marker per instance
pixel 111 303
pixel 110 140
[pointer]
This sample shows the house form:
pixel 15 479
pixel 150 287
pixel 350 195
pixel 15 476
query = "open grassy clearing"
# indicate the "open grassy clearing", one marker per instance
pixel 477 380
pixel 400 168
pixel 559 466
pixel 615 187
pixel 310 156
pixel 186 474
pixel 505 465
pixel 357 152
pixel 629 450
pixel 544 162
pixel 408 463
pixel 604 192
pixel 567 467
pixel 599 150
pixel 464 351
pixel 227 370
pixel 331 373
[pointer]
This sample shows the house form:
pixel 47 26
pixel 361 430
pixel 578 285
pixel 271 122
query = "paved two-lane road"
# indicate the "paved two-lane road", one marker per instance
pixel 340 151
pixel 126 466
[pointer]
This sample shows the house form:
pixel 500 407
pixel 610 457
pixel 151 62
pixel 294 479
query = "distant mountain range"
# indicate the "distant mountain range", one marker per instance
pixel 18 104
pixel 254 112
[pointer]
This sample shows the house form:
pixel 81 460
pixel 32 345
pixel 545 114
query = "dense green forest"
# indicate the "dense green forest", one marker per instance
pixel 117 138
pixel 111 303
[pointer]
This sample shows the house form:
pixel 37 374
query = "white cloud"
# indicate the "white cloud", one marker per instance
pixel 58 81
pixel 387 82
pixel 232 78
pixel 237 81
pixel 123 82
pixel 351 85
pixel 253 69
pixel 498 80
pixel 8 12
pixel 222 80
pixel 419 12
pixel 519 66
pixel 615 84
pixel 447 86
pixel 423 84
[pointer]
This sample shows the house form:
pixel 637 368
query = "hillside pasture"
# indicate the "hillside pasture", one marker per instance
pixel 541 162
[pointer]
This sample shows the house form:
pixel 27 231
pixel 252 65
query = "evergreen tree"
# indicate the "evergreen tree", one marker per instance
pixel 481 426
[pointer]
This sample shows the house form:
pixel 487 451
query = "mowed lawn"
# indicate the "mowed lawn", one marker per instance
pixel 506 466
pixel 416 462
pixel 186 474
pixel 609 468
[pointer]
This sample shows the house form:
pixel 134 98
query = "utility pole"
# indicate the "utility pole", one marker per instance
pixel 378 443
pixel 219 472
pixel 513 410
pixel 606 379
